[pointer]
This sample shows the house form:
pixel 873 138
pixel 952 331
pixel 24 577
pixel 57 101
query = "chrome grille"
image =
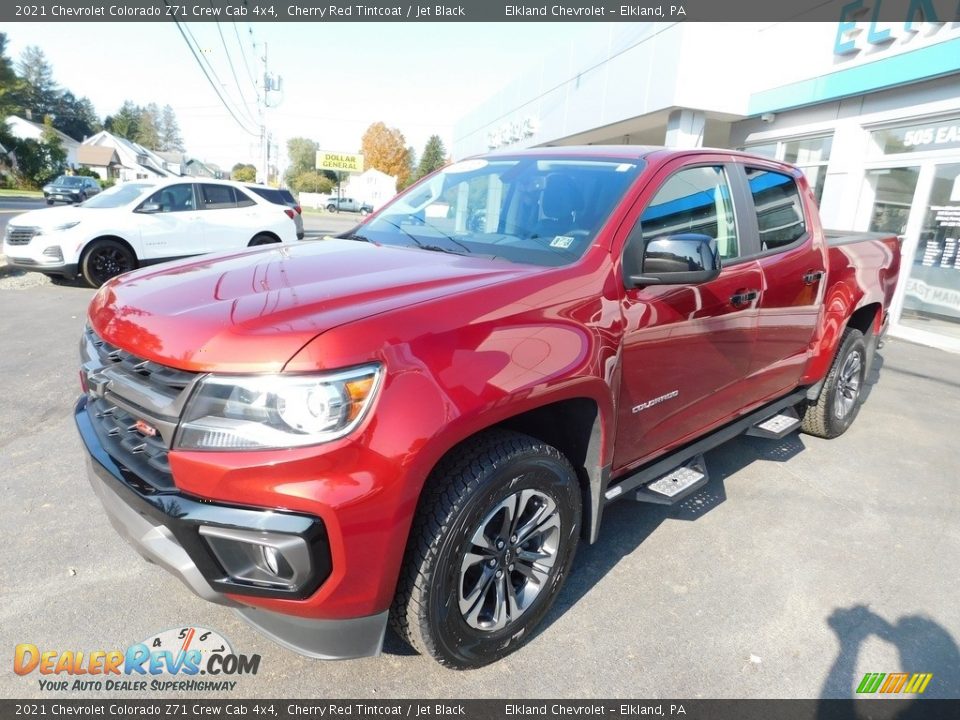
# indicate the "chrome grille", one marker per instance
pixel 20 235
pixel 125 389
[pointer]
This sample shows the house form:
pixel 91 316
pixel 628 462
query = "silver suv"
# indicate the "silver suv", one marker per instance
pixel 350 205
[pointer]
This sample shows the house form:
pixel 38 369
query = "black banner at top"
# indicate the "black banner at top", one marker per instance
pixel 907 11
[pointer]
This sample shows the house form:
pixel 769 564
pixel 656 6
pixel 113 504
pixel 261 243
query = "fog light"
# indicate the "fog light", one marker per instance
pixel 54 252
pixel 260 558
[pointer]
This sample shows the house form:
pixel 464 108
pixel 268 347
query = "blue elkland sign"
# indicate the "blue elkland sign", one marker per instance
pixel 850 37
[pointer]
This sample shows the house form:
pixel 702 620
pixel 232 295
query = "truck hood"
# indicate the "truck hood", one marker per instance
pixel 252 311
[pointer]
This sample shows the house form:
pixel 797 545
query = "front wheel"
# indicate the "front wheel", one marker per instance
pixel 331 208
pixel 840 399
pixel 106 259
pixel 493 540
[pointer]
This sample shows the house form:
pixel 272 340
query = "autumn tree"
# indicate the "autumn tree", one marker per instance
pixel 385 149
pixel 243 172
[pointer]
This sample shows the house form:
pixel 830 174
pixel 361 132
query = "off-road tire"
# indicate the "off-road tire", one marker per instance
pixel 465 486
pixel 821 416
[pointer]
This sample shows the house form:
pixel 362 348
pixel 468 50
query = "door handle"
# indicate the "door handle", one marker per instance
pixel 812 276
pixel 744 297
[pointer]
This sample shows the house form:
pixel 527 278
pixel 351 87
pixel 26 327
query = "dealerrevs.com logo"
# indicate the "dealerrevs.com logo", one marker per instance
pixel 171 660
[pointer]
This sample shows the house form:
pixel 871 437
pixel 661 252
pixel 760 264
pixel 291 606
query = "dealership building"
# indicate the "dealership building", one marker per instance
pixel 869 110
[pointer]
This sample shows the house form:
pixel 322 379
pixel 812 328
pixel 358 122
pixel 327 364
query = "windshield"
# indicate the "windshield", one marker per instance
pixel 118 195
pixel 532 210
pixel 68 181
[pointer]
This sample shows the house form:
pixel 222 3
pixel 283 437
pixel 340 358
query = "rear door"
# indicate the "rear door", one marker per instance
pixel 792 262
pixel 687 349
pixel 229 216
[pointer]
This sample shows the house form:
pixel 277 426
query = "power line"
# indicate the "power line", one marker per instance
pixel 247 117
pixel 246 63
pixel 209 79
pixel 233 70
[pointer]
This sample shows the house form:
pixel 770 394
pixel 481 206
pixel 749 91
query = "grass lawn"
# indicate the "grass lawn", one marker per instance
pixel 20 193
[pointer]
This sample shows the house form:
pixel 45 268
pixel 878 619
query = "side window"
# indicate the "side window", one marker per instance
pixel 779 208
pixel 217 197
pixel 695 200
pixel 173 198
pixel 243 200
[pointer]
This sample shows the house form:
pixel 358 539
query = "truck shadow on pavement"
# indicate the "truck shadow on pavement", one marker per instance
pixel 924 646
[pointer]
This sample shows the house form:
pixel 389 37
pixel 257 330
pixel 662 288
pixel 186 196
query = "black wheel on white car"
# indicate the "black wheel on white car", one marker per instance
pixel 105 259
pixel 262 239
pixel 492 543
pixel 835 410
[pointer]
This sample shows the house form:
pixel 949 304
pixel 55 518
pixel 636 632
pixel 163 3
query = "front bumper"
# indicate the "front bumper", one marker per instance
pixel 167 529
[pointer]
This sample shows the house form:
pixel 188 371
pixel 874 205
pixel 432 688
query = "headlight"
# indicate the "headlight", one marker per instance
pixel 276 411
pixel 65 226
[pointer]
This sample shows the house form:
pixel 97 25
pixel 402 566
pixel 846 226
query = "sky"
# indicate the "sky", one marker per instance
pixel 338 78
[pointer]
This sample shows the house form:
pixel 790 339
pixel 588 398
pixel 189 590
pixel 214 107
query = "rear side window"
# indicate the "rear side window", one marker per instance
pixel 217 197
pixel 779 208
pixel 695 200
pixel 243 200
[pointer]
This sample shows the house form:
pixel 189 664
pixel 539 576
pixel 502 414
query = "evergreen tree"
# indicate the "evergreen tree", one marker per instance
pixel 434 156
pixel 170 130
pixel 40 91
pixel 125 122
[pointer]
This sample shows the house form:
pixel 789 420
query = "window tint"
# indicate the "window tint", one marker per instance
pixel 268 194
pixel 779 209
pixel 695 200
pixel 174 198
pixel 243 200
pixel 216 197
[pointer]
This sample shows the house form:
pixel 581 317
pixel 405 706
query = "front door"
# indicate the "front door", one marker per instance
pixel 169 231
pixel 687 349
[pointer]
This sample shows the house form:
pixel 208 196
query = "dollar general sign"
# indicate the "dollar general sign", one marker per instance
pixel 341 162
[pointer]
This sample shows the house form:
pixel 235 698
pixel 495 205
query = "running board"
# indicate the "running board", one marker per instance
pixel 777 426
pixel 677 484
pixel 625 486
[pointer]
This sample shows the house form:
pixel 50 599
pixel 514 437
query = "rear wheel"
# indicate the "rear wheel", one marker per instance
pixel 840 399
pixel 492 542
pixel 262 239
pixel 106 259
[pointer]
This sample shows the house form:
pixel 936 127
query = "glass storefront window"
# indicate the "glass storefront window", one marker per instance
pixel 807 151
pixel 933 135
pixel 932 293
pixel 768 150
pixel 893 190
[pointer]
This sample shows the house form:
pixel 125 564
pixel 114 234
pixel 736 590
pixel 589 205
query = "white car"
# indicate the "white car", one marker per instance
pixel 141 223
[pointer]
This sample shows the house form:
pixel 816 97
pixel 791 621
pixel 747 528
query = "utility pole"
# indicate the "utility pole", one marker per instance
pixel 264 138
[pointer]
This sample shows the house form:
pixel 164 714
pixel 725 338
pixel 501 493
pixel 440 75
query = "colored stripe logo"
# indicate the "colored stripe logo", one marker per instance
pixel 894 683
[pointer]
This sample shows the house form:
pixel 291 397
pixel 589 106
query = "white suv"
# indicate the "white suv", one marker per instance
pixel 141 223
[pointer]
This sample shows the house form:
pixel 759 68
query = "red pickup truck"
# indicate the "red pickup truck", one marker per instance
pixel 416 423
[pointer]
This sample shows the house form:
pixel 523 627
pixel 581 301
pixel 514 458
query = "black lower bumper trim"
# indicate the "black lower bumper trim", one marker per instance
pixel 178 518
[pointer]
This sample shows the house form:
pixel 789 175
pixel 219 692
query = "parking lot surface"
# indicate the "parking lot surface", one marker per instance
pixel 802 565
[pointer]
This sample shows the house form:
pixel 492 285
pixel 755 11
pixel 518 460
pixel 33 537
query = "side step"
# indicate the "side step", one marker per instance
pixel 676 484
pixel 777 426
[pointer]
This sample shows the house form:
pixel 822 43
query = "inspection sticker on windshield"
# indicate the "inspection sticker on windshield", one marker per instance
pixel 561 241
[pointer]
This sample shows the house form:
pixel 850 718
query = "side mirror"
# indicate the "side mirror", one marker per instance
pixel 682 259
pixel 150 207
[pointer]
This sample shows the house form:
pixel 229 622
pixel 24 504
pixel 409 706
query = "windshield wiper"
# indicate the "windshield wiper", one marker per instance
pixel 426 246
pixel 355 236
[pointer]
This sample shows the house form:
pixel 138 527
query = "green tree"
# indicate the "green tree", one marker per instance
pixel 385 149
pixel 75 116
pixel 170 130
pixel 148 127
pixel 10 95
pixel 40 91
pixel 244 172
pixel 434 157
pixel 52 146
pixel 125 122
pixel 311 181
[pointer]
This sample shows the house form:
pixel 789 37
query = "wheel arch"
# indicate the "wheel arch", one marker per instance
pixel 116 238
pixel 268 233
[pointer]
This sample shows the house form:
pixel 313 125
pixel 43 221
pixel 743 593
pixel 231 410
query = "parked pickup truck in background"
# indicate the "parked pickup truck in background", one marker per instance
pixel 418 422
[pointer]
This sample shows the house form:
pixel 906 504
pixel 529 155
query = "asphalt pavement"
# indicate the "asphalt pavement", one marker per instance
pixel 804 564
